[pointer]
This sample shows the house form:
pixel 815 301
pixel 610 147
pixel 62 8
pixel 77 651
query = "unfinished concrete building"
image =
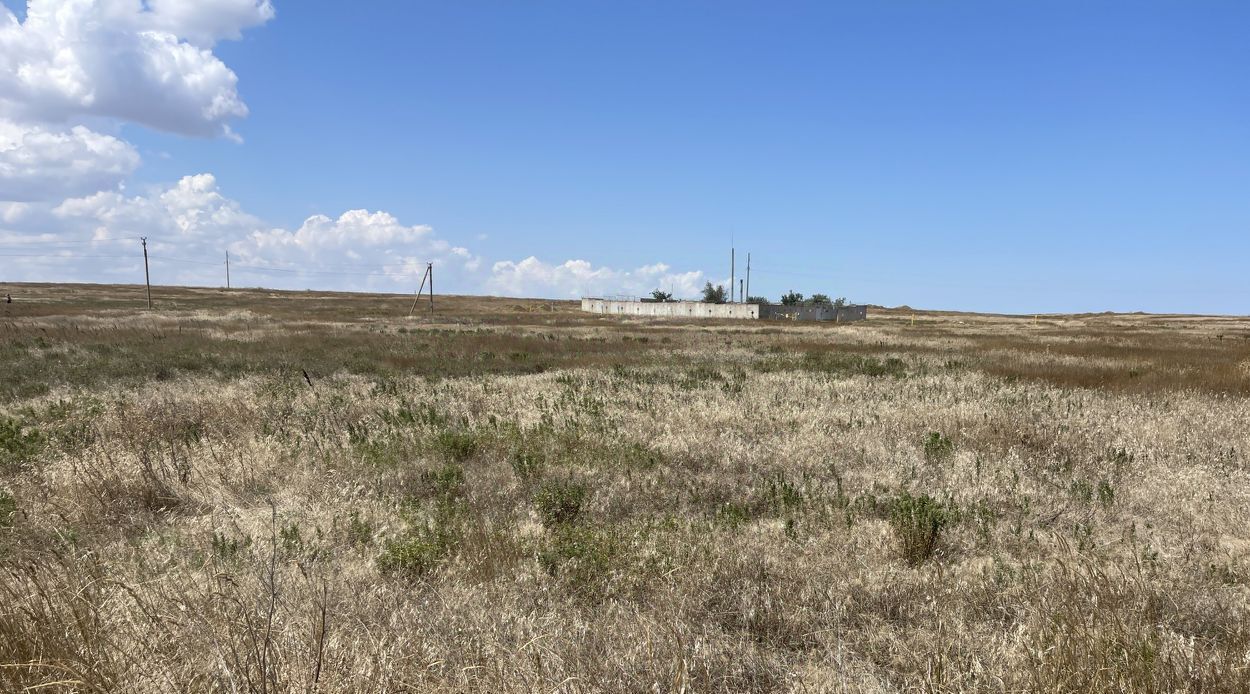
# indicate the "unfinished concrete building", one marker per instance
pixel 699 309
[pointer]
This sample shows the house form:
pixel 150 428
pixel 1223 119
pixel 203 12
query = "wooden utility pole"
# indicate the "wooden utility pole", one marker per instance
pixel 227 269
pixel 427 275
pixel 147 278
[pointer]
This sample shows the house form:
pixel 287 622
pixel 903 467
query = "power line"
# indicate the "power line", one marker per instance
pixel 63 256
pixel 23 244
pixel 388 270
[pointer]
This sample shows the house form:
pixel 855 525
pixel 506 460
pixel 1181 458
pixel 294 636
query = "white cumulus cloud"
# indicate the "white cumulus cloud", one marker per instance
pixel 151 64
pixel 370 243
pixel 191 224
pixel 574 278
pixel 36 163
pixel 73 64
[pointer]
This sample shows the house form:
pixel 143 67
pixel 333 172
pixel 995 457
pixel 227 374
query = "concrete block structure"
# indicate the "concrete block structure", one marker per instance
pixel 698 309
pixel 844 314
pixel 670 309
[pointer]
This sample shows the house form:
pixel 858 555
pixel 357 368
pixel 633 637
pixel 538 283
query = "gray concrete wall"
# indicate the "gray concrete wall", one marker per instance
pixel 670 309
pixel 845 314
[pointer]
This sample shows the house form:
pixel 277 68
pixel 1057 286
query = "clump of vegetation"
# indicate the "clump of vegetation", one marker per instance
pixel 19 442
pixel 456 445
pixel 359 530
pixel 1081 490
pixel 227 549
pixel 938 447
pixel 560 502
pixel 418 552
pixel 781 494
pixel 584 556
pixel 918 522
pixel 836 364
pixel 445 481
pixel 8 509
pixel 527 464
pixel 733 515
pixel 1106 493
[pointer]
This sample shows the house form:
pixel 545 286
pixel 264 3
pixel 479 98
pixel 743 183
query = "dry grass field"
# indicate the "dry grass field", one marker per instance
pixel 255 491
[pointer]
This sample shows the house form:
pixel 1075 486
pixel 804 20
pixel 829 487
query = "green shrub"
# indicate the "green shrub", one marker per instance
pixel 733 515
pixel 417 554
pixel 227 549
pixel 8 509
pixel 292 542
pixel 937 447
pixel 359 531
pixel 782 495
pixel 918 522
pixel 583 556
pixel 18 442
pixel 527 464
pixel 560 502
pixel 456 445
pixel 1106 493
pixel 639 457
pixel 852 365
pixel 1082 490
pixel 445 481
pixel 431 537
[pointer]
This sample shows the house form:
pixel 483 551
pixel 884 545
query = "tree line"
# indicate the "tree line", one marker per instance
pixel 717 294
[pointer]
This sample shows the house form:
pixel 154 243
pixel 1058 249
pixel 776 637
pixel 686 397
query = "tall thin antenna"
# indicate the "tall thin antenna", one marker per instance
pixel 147 278
pixel 227 269
pixel 748 274
pixel 732 268
pixel 429 267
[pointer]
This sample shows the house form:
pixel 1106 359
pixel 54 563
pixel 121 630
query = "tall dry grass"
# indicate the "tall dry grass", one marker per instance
pixel 662 507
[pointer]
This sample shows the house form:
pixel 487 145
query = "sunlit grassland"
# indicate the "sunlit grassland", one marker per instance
pixel 266 491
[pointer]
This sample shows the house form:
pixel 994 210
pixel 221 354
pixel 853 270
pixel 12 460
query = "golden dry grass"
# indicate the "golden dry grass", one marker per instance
pixel 267 491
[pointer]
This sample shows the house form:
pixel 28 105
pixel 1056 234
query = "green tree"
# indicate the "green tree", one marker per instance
pixel 820 300
pixel 791 298
pixel 713 295
pixel 757 300
pixel 661 296
pixel 839 302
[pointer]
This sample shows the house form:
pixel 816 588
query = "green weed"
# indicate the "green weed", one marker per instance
pixel 560 502
pixel 918 522
pixel 937 447
pixel 19 442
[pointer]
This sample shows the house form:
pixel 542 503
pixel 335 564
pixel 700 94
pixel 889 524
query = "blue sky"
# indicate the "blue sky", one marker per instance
pixel 1017 157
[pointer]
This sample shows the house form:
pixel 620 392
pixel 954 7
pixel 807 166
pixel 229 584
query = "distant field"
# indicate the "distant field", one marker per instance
pixel 260 491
